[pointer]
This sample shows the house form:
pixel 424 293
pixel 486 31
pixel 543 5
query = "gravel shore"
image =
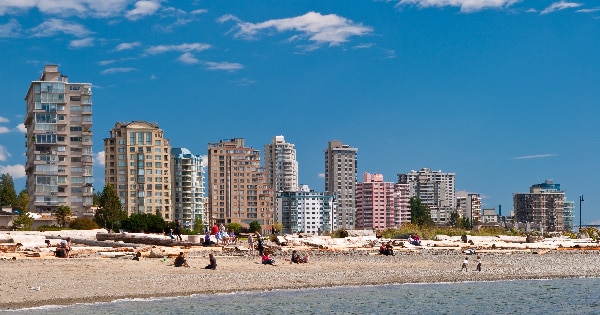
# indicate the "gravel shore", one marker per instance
pixel 53 281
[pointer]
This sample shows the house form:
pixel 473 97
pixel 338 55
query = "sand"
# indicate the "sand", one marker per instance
pixel 30 282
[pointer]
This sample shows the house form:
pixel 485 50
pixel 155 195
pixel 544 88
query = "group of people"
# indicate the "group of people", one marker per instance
pixel 174 233
pixel 386 249
pixel 465 264
pixel 414 239
pixel 63 249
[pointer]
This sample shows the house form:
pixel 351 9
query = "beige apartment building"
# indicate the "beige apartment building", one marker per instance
pixel 138 165
pixel 340 180
pixel 59 144
pixel 238 187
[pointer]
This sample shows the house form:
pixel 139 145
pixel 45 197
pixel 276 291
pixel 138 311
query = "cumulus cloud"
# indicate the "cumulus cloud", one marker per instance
pixel 143 8
pixel 16 171
pixel 99 159
pixel 4 130
pixel 80 43
pixel 186 47
pixel 314 26
pixel 55 26
pixel 127 46
pixel 10 29
pixel 21 128
pixel 536 156
pixel 117 70
pixel 199 11
pixel 227 66
pixel 188 58
pixel 588 10
pixel 4 155
pixel 3 119
pixel 557 6
pixel 466 6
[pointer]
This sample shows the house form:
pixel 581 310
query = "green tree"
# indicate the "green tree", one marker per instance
pixel 454 219
pixel 144 222
pixel 23 222
pixel 419 213
pixel 62 214
pixel 198 226
pixel 22 201
pixel 236 227
pixel 255 227
pixel 8 196
pixel 110 212
pixel 464 223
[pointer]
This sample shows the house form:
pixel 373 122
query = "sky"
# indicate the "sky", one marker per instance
pixel 503 93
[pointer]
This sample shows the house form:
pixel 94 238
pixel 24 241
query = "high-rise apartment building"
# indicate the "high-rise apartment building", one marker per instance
pixel 305 211
pixel 340 180
pixel 59 144
pixel 435 189
pixel 238 187
pixel 468 205
pixel 544 206
pixel 377 207
pixel 188 187
pixel 138 166
pixel 281 165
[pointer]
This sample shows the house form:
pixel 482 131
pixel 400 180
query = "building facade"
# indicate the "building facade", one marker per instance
pixel 238 187
pixel 188 187
pixel 59 144
pixel 281 165
pixel 543 206
pixel 569 215
pixel 340 180
pixel 377 207
pixel 435 189
pixel 138 166
pixel 305 211
pixel 468 205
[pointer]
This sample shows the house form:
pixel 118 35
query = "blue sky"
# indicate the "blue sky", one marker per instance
pixel 503 93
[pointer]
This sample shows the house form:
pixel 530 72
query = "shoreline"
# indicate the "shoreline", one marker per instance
pixel 93 280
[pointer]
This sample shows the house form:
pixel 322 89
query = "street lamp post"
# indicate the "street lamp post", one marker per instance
pixel 580 200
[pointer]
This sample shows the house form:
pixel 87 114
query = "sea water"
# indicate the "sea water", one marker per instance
pixel 562 296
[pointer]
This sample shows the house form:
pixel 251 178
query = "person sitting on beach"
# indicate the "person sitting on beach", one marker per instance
pixel 389 249
pixel 465 264
pixel 212 262
pixel 295 257
pixel 266 260
pixel 207 240
pixel 415 240
pixel 232 238
pixel 169 232
pixel 63 250
pixel 180 260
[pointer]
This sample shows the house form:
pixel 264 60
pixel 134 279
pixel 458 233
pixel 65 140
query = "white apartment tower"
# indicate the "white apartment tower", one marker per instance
pixel 59 144
pixel 188 187
pixel 305 211
pixel 340 180
pixel 281 165
pixel 435 189
pixel 138 166
pixel 468 205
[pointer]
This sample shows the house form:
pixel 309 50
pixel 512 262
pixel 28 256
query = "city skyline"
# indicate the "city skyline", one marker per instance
pixel 501 93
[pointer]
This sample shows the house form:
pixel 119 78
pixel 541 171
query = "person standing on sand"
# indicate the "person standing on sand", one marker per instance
pixel 260 246
pixel 251 244
pixel 478 263
pixel 465 264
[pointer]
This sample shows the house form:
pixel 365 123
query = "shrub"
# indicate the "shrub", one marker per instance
pixel 83 224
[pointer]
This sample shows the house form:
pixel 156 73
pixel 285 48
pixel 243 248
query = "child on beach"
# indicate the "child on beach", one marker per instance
pixel 465 264
pixel 478 263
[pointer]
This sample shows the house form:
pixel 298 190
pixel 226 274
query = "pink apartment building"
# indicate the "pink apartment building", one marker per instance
pixel 380 205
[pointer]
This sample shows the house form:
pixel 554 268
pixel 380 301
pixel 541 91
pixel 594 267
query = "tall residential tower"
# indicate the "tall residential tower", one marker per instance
pixel 188 187
pixel 340 180
pixel 138 166
pixel 281 165
pixel 59 144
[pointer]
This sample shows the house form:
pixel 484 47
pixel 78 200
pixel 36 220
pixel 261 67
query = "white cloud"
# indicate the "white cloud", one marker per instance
pixel 204 160
pixel 10 29
pixel 536 156
pixel 4 130
pixel 331 29
pixel 4 155
pixel 557 6
pixel 127 46
pixel 321 175
pixel 55 26
pixel 466 6
pixel 588 10
pixel 188 58
pixel 154 50
pixel 3 119
pixel 199 11
pixel 80 43
pixel 143 8
pixel 117 70
pixel 99 159
pixel 21 128
pixel 228 66
pixel 16 171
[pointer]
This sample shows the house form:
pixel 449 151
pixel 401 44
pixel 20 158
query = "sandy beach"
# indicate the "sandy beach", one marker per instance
pixel 53 281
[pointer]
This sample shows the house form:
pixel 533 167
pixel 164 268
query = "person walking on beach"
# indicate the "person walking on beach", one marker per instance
pixel 251 244
pixel 465 264
pixel 260 246
pixel 478 263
